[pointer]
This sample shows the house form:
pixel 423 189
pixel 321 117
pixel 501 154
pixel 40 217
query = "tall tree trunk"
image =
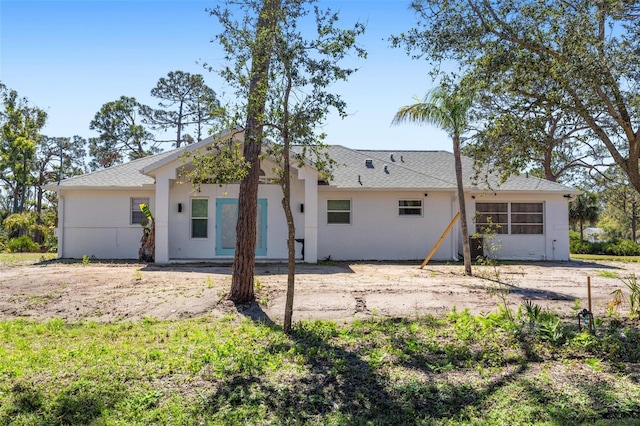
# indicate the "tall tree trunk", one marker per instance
pixel 285 183
pixel 179 132
pixel 291 276
pixel 634 221
pixel 242 281
pixel 38 237
pixel 466 250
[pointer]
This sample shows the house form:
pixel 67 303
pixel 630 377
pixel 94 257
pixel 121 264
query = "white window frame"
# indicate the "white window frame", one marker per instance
pixel 134 207
pixel 406 208
pixel 204 218
pixel 350 211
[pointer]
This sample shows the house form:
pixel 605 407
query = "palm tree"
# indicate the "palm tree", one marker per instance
pixel 448 110
pixel 583 209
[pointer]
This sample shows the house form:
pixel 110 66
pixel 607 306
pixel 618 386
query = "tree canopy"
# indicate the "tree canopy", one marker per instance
pixel 578 57
pixel 281 78
pixel 20 124
pixel 186 102
pixel 449 109
pixel 122 134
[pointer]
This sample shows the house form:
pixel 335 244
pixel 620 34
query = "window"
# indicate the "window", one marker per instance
pixel 339 211
pixel 199 217
pixel 492 217
pixel 510 218
pixel 526 218
pixel 137 217
pixel 410 207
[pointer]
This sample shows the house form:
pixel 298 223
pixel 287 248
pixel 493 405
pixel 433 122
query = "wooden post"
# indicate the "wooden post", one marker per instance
pixel 444 234
pixel 589 293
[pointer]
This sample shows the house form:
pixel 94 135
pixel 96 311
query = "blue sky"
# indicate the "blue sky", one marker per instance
pixel 71 57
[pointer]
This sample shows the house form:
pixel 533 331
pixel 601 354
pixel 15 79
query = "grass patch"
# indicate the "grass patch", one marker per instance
pixel 603 257
pixel 608 274
pixel 23 259
pixel 459 369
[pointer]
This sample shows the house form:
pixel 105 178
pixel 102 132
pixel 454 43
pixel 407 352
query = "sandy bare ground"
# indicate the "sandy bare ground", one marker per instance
pixel 108 292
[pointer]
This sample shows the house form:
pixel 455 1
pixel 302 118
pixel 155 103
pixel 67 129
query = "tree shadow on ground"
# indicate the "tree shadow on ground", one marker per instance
pixel 347 384
pixel 263 269
pixel 81 402
pixel 526 292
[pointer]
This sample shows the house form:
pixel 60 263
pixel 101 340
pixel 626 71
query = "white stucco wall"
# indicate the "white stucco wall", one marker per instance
pixel 553 244
pixel 97 223
pixel 378 232
pixel 183 247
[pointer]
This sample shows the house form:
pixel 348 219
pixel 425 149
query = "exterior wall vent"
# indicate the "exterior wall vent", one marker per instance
pixel 369 163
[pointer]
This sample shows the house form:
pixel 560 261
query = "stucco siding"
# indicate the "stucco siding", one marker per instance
pixel 97 223
pixel 182 246
pixel 553 244
pixel 377 231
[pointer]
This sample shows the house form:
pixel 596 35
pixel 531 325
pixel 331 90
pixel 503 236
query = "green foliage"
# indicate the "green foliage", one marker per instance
pixel 555 68
pixel 19 222
pixel 583 209
pixel 448 108
pixel 220 163
pixel 621 204
pixel 631 282
pixel 23 259
pixel 186 102
pixel 122 134
pixel 20 126
pixel 22 244
pixel 608 274
pixel 617 247
pixel 462 369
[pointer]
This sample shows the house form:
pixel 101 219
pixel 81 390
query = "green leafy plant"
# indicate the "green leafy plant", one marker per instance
pixel 631 282
pixel 147 242
pixel 532 310
pixel 86 259
pixel 22 244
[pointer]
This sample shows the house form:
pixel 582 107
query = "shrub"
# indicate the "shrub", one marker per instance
pixel 617 247
pixel 626 248
pixel 22 244
pixel 579 247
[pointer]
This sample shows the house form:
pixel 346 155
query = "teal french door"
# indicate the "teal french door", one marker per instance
pixel 226 218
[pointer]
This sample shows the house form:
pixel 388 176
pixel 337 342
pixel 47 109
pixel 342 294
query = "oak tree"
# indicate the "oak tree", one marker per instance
pixel 581 56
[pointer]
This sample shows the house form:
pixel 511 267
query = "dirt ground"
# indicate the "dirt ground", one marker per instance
pixel 107 292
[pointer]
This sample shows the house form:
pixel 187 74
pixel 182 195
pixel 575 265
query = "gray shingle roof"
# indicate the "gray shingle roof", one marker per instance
pixel 127 175
pixel 421 169
pixel 425 170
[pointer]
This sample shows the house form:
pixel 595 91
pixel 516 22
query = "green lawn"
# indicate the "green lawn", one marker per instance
pixel 596 257
pixel 461 369
pixel 18 259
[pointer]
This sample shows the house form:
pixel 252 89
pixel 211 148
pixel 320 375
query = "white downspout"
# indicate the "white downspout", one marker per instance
pixel 60 224
pixel 455 235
